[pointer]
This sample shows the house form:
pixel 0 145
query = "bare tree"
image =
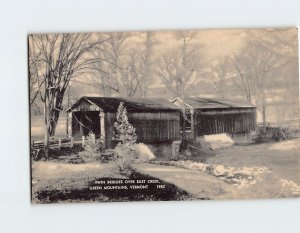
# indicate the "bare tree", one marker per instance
pixel 255 68
pixel 283 41
pixel 147 63
pixel 101 71
pixel 34 64
pixel 131 73
pixel 220 75
pixel 55 59
pixel 178 69
pixel 114 51
pixel 108 71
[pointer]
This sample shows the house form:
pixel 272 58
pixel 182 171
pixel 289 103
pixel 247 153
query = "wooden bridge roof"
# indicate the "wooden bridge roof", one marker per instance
pixel 110 104
pixel 208 103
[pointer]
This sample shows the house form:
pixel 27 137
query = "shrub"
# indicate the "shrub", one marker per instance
pixel 92 148
pixel 194 151
pixel 125 157
pixel 269 134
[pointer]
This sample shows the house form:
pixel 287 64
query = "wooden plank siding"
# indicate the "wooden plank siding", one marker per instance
pixel 151 127
pixel 225 121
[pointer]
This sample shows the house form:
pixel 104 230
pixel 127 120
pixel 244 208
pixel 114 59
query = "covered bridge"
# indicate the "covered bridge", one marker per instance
pixel 155 119
pixel 206 116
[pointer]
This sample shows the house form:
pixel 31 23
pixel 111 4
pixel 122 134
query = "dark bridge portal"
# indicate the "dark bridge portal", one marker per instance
pixel 84 122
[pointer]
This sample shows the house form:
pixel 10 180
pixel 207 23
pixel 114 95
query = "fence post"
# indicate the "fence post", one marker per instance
pixel 83 141
pixel 71 142
pixel 59 142
pixel 93 136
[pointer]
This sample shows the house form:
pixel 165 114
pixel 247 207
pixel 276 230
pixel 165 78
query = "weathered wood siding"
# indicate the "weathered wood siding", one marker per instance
pixel 225 121
pixel 109 119
pixel 151 127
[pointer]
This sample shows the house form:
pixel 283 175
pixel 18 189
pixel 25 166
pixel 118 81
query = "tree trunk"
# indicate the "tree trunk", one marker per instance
pixel 68 105
pixel 46 134
pixel 51 116
pixel 264 114
pixel 183 144
pixel 53 122
pixel 264 109
pixel 55 112
pixel 183 129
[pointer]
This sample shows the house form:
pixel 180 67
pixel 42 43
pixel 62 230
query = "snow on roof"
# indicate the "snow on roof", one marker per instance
pixel 209 103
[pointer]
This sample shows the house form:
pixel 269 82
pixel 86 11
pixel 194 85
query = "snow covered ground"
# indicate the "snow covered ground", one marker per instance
pixel 281 159
pixel 270 170
pixel 240 172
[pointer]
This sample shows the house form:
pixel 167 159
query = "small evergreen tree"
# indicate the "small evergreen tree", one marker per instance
pixel 124 131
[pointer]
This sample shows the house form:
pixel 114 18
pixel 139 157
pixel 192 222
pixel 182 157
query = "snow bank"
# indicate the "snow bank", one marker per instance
pixel 288 186
pixel 144 153
pixel 240 177
pixel 286 145
pixel 216 141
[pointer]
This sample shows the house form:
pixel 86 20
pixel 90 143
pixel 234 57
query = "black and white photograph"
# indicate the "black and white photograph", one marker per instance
pixel 178 115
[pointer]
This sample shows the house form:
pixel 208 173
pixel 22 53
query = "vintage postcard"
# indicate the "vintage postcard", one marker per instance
pixel 164 115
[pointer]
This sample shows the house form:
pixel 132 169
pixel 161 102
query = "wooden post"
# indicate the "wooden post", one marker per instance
pixel 102 127
pixel 83 141
pixel 192 123
pixel 59 142
pixel 93 137
pixel 72 143
pixel 69 124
